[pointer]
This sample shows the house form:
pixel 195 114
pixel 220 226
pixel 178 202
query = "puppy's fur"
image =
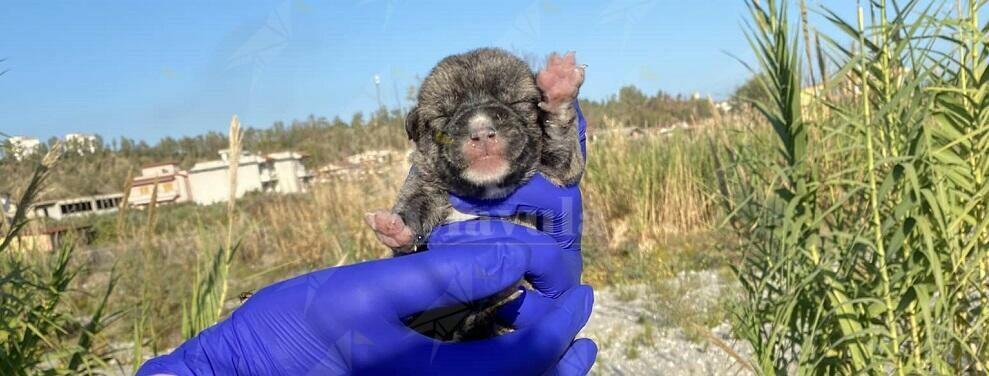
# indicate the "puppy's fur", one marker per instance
pixel 482 127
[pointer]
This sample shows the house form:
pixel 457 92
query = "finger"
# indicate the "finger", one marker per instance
pixel 526 310
pixel 578 359
pixel 534 349
pixel 550 270
pixel 553 273
pixel 438 278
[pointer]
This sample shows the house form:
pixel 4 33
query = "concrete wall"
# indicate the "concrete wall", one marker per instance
pixel 213 185
pixel 174 190
pixel 288 176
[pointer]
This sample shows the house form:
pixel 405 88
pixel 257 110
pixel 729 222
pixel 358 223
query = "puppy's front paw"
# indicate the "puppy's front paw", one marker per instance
pixel 390 229
pixel 559 81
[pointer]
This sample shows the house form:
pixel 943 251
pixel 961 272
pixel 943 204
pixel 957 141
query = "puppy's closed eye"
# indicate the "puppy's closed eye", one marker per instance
pixel 522 105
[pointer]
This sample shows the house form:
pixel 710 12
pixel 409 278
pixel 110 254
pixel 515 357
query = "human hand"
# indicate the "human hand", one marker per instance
pixel 348 319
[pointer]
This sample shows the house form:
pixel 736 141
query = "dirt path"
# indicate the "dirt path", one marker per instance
pixel 638 329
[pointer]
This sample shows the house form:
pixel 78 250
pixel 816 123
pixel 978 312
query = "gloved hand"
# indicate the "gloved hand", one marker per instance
pixel 348 320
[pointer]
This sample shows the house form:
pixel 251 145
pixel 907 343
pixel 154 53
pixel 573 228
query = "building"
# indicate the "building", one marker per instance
pixel 77 206
pixel 374 157
pixel 173 185
pixel 362 165
pixel 51 238
pixel 23 147
pixel 81 143
pixel 7 207
pixel 281 172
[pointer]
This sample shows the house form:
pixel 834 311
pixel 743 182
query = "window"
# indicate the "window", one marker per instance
pixel 107 203
pixel 145 190
pixel 168 187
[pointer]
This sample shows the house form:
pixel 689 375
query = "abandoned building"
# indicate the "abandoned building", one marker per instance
pixel 205 183
pixel 281 172
pixel 173 185
pixel 362 165
pixel 51 238
pixel 77 206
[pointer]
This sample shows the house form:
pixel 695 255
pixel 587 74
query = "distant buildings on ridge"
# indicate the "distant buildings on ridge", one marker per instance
pixel 205 183
pixel 281 172
pixel 20 147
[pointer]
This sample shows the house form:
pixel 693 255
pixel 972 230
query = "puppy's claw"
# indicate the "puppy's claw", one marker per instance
pixel 369 219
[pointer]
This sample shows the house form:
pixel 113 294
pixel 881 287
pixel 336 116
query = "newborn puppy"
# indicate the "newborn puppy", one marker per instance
pixel 484 124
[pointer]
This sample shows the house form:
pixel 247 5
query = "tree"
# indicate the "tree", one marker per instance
pixel 750 91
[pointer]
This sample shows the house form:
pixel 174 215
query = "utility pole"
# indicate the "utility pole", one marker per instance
pixel 377 89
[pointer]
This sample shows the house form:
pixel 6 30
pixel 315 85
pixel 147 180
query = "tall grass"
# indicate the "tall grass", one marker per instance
pixel 40 332
pixel 644 194
pixel 209 291
pixel 864 238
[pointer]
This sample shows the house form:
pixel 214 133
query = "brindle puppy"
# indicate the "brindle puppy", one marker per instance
pixel 484 124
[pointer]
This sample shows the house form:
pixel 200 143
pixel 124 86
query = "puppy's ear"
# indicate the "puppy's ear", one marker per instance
pixel 412 123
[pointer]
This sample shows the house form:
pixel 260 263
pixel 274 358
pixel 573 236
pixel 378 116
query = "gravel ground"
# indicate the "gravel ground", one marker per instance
pixel 637 333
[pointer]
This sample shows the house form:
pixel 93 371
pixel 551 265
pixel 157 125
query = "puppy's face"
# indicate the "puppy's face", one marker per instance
pixel 475 124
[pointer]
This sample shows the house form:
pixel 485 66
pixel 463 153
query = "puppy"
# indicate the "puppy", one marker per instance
pixel 483 125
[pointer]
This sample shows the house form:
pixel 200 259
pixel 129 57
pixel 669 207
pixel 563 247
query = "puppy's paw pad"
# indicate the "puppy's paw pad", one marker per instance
pixel 559 80
pixel 389 228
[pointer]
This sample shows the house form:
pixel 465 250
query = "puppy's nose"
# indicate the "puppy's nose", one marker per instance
pixel 488 133
pixel 482 128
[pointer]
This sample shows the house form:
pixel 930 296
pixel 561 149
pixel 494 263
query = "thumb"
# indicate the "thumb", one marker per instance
pixel 438 278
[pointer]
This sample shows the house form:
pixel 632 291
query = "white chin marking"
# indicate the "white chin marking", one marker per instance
pixel 491 175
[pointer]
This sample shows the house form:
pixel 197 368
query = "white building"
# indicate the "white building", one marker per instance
pixel 22 147
pixel 80 143
pixel 172 185
pixel 7 207
pixel 362 165
pixel 281 172
pixel 77 206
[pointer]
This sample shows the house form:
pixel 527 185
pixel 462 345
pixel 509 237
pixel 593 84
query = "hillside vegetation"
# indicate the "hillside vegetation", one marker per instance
pixel 322 140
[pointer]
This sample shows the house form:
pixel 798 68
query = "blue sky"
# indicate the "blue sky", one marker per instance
pixel 150 69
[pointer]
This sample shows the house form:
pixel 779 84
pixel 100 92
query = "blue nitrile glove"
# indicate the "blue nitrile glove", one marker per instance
pixel 581 129
pixel 348 320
